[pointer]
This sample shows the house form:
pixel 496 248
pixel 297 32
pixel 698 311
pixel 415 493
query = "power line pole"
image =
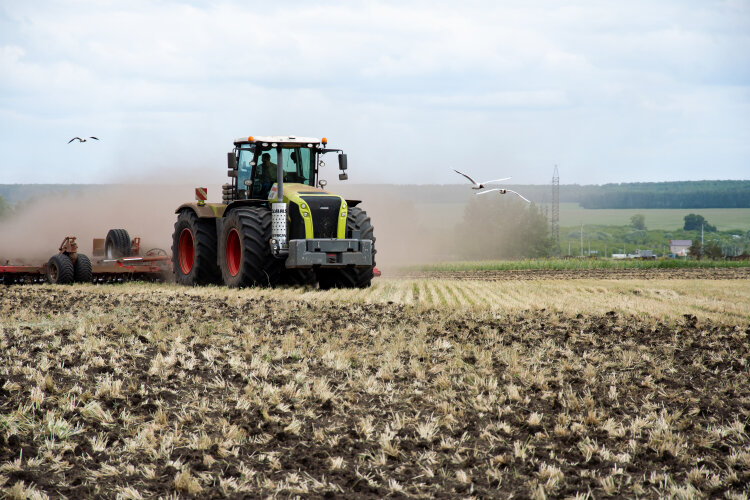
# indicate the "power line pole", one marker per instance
pixel 555 220
pixel 581 240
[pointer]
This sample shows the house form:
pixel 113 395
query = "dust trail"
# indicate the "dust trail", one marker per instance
pixel 406 233
pixel 33 234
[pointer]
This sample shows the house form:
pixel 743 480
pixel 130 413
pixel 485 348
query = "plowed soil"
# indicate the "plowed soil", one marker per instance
pixel 160 390
pixel 568 274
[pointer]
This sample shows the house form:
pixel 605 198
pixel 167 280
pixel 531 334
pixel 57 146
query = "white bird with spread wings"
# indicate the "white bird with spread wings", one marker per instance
pixel 503 191
pixel 480 185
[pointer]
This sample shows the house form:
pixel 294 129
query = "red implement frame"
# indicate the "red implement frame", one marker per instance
pixel 148 267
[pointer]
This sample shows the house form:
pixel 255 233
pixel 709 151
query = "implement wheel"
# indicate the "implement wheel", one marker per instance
pixel 82 272
pixel 194 250
pixel 60 270
pixel 244 252
pixel 117 244
pixel 352 277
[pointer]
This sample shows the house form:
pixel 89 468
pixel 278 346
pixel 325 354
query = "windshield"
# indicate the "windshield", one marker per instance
pixel 258 164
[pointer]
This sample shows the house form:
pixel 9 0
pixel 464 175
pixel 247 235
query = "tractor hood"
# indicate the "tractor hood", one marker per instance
pixel 315 208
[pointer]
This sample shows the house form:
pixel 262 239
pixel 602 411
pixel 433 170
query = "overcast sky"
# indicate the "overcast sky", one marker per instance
pixel 623 91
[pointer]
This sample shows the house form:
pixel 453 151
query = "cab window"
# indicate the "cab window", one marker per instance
pixel 245 165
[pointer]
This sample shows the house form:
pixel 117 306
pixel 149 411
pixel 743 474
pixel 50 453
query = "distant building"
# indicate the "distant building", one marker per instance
pixel 679 247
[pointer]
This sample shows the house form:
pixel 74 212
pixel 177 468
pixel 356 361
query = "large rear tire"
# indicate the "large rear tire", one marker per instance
pixel 117 244
pixel 82 270
pixel 352 277
pixel 194 250
pixel 60 270
pixel 244 251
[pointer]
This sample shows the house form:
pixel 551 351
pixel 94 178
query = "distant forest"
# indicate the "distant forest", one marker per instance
pixel 680 195
pixel 683 194
pixel 695 194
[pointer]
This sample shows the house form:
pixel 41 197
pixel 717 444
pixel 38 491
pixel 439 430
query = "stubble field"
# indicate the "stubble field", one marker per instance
pixel 416 387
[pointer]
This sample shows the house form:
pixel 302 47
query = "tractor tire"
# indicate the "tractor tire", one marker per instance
pixel 117 244
pixel 194 250
pixel 244 252
pixel 82 271
pixel 60 270
pixel 351 277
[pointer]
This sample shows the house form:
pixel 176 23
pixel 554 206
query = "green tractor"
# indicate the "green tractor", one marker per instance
pixel 276 224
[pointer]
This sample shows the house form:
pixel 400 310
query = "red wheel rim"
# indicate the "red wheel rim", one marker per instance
pixel 234 252
pixel 186 251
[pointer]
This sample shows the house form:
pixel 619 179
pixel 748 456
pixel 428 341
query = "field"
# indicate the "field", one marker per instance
pixel 574 267
pixel 415 387
pixel 572 215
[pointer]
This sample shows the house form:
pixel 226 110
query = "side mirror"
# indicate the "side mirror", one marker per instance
pixel 342 161
pixel 231 161
pixel 343 177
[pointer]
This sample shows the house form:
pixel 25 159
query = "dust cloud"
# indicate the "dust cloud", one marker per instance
pixel 405 233
pixel 34 233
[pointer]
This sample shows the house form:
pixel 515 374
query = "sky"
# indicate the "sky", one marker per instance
pixel 635 91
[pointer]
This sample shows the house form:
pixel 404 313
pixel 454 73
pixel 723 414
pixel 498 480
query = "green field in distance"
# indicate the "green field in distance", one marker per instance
pixel 571 214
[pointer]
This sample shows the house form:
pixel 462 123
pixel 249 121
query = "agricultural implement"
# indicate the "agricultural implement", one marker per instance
pixel 276 224
pixel 116 258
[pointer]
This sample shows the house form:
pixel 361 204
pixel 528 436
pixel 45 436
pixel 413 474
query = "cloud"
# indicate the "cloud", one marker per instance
pixel 582 84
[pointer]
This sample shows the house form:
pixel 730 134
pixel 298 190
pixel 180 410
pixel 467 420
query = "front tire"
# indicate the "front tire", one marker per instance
pixel 244 251
pixel 194 250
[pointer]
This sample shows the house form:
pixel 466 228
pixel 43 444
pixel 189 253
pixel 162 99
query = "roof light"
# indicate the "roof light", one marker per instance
pixel 251 139
pixel 324 140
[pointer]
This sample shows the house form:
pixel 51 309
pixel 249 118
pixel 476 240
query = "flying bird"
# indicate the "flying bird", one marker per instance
pixel 480 185
pixel 503 191
pixel 82 140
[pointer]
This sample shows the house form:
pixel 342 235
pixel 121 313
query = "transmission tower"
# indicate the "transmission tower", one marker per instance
pixel 555 220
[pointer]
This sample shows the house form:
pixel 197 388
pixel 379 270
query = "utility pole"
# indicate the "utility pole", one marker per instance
pixel 556 209
pixel 701 234
pixel 581 240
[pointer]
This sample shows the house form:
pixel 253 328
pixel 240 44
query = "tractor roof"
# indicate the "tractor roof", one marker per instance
pixel 278 139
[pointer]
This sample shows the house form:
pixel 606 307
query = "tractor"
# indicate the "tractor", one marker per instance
pixel 276 223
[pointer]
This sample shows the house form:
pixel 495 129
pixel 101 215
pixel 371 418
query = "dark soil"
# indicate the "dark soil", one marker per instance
pixel 108 391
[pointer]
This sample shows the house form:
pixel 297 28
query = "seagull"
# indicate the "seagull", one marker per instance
pixel 82 140
pixel 479 185
pixel 503 191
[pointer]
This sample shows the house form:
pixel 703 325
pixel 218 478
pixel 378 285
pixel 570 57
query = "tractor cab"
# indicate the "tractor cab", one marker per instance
pixel 257 165
pixel 254 164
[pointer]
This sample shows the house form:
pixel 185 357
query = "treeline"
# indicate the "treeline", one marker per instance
pixel 683 194
pixel 688 194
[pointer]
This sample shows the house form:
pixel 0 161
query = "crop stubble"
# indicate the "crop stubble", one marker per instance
pixel 145 390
